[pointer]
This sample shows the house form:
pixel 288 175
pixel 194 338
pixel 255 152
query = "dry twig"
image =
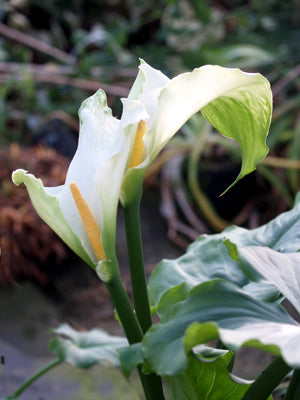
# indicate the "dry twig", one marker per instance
pixel 288 78
pixel 86 84
pixel 36 44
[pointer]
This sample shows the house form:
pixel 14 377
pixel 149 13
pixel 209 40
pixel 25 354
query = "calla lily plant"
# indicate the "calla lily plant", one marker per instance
pixel 110 163
pixel 113 154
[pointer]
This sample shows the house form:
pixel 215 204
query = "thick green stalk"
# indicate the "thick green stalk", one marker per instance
pixel 124 309
pixel 151 383
pixel 268 380
pixel 139 285
pixel 293 392
pixel 36 375
pixel 152 386
pixel 136 263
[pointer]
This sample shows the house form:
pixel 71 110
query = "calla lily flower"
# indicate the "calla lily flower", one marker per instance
pixel 237 104
pixel 83 210
pixel 113 154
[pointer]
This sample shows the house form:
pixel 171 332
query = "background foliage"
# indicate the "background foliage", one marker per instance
pixel 55 54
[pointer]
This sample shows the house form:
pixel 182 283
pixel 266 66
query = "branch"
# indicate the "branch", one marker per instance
pixel 289 77
pixel 36 44
pixel 86 84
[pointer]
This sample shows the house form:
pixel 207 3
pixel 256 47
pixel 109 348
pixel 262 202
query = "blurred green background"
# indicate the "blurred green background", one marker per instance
pixel 54 54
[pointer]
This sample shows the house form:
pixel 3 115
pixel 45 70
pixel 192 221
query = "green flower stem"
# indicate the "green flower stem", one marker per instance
pixel 36 375
pixel 136 263
pixel 151 383
pixel 293 392
pixel 268 380
pixel 124 309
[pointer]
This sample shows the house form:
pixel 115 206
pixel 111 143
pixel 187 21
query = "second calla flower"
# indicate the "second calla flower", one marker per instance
pixel 237 104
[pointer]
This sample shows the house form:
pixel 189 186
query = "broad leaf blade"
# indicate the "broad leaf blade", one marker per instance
pixel 130 357
pixel 206 258
pixel 205 380
pixel 84 349
pixel 214 309
pixel 283 270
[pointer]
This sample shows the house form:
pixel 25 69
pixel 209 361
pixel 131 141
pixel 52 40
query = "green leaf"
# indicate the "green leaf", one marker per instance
pixel 283 270
pixel 214 309
pixel 207 258
pixel 130 357
pixel 232 250
pixel 84 349
pixel 215 256
pixel 175 295
pixel 207 380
